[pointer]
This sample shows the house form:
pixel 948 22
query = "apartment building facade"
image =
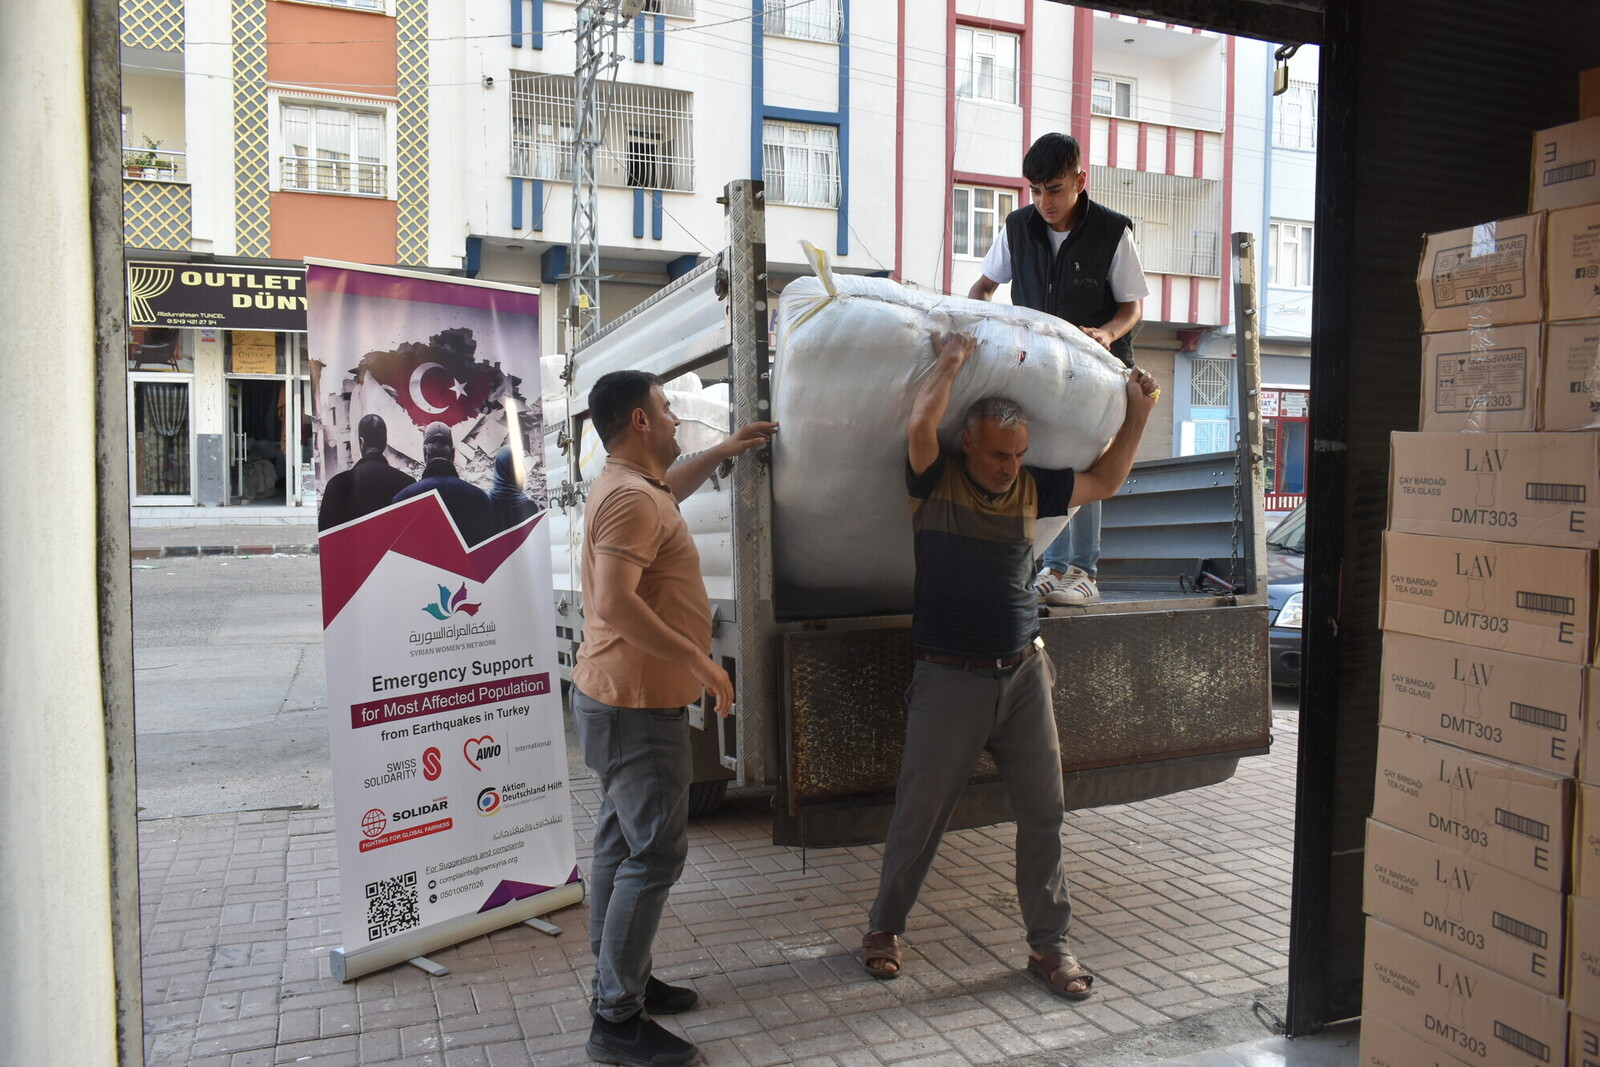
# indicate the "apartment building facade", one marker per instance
pixel 442 134
pixel 258 133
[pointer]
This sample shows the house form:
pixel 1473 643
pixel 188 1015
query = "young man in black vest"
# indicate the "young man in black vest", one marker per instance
pixel 1074 258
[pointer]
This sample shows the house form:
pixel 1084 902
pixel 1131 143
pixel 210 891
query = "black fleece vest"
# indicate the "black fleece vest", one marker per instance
pixel 1075 284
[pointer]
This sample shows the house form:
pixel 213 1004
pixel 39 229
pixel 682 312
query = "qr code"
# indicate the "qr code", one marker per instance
pixel 392 906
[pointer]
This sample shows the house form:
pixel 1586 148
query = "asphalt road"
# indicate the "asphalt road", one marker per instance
pixel 230 700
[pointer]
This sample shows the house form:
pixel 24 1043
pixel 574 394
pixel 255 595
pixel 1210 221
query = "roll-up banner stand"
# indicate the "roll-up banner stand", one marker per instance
pixel 445 722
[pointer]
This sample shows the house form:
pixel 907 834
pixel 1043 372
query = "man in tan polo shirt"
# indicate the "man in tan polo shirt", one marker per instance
pixel 645 654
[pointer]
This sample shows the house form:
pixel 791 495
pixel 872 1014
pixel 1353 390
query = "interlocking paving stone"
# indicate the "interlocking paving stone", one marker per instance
pixel 1180 907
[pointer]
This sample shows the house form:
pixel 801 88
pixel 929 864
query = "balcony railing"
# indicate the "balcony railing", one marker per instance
pixel 648 142
pixel 1177 219
pixel 312 174
pixel 154 164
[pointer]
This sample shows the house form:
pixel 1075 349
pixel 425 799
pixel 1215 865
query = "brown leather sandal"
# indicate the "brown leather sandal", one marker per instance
pixel 878 948
pixel 1060 969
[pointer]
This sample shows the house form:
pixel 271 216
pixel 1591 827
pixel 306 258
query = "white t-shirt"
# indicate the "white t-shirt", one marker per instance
pixel 1126 274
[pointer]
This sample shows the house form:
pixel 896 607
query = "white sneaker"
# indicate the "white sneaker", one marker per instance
pixel 1074 587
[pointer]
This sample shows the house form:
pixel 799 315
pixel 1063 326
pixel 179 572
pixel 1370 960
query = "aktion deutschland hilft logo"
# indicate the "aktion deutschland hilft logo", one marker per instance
pixel 488 800
pixel 448 605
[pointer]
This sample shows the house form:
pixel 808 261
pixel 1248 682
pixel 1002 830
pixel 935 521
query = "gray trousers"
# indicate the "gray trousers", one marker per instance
pixel 641 839
pixel 952 716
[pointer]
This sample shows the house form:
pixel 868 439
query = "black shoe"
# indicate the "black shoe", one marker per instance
pixel 663 999
pixel 638 1042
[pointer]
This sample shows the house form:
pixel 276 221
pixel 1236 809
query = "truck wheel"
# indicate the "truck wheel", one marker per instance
pixel 704 797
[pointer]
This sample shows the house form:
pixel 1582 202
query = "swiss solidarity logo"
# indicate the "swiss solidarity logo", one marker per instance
pixel 432 764
pixel 476 749
pixel 449 605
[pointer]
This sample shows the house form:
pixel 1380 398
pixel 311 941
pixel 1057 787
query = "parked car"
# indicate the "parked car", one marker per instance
pixel 1286 561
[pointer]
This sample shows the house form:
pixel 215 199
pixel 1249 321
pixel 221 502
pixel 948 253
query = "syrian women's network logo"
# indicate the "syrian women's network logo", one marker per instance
pixel 449 604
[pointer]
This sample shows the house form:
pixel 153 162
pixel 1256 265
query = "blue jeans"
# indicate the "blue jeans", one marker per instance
pixel 641 839
pixel 1079 544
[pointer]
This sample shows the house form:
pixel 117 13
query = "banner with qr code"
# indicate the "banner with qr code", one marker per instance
pixel 446 735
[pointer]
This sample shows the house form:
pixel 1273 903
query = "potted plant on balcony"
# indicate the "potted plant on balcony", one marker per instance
pixel 146 163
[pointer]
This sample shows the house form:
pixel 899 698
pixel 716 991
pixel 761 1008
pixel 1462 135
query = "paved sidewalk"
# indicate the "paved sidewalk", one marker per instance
pixel 1182 907
pixel 223 539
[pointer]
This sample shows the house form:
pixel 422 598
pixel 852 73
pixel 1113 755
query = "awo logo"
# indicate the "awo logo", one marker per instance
pixel 478 749
pixel 449 604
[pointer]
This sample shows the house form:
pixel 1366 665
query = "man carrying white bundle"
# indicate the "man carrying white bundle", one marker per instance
pixel 979 681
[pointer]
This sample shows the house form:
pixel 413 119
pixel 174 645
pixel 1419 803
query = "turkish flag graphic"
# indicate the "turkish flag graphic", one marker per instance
pixel 437 380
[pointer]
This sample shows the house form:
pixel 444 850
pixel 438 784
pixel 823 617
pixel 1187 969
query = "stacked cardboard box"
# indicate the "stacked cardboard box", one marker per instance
pixel 1482 880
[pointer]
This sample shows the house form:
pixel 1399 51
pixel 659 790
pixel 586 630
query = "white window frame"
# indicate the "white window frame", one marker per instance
pixel 672 9
pixel 1291 252
pixel 369 7
pixel 1294 117
pixel 282 179
pixel 811 144
pixel 808 20
pixel 998 81
pixel 1109 88
pixel 964 240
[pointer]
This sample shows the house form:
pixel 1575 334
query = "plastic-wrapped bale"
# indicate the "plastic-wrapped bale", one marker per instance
pixel 848 367
pixel 702 413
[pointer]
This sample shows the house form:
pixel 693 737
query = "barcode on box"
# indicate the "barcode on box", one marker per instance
pixel 1520 930
pixel 1522 1042
pixel 1556 493
pixel 1547 603
pixel 1550 720
pixel 1521 824
pixel 1572 172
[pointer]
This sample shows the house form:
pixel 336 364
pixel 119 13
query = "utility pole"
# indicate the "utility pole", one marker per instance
pixel 598 23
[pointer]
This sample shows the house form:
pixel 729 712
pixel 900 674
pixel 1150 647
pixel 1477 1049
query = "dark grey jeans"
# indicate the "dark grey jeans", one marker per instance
pixel 641 839
pixel 952 716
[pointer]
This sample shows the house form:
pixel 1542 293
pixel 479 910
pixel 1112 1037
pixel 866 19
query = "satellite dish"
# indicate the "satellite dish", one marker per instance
pixel 631 8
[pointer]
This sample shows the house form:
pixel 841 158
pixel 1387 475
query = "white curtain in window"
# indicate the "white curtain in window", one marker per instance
pixel 816 20
pixel 333 149
pixel 801 164
pixel 332 133
pixel 297 130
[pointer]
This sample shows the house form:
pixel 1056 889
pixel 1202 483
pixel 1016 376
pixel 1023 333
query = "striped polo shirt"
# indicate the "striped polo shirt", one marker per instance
pixel 974 552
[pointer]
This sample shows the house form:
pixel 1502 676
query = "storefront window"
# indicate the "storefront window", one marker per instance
pixel 1285 438
pixel 158 348
pixel 161 460
pixel 257 352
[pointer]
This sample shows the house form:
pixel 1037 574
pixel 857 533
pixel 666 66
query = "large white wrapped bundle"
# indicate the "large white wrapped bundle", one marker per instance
pixel 848 367
pixel 702 413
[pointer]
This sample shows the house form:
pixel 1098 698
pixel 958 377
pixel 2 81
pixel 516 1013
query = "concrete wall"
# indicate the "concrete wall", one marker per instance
pixel 59 982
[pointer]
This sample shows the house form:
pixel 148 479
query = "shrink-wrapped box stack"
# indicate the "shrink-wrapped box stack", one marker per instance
pixel 1482 874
